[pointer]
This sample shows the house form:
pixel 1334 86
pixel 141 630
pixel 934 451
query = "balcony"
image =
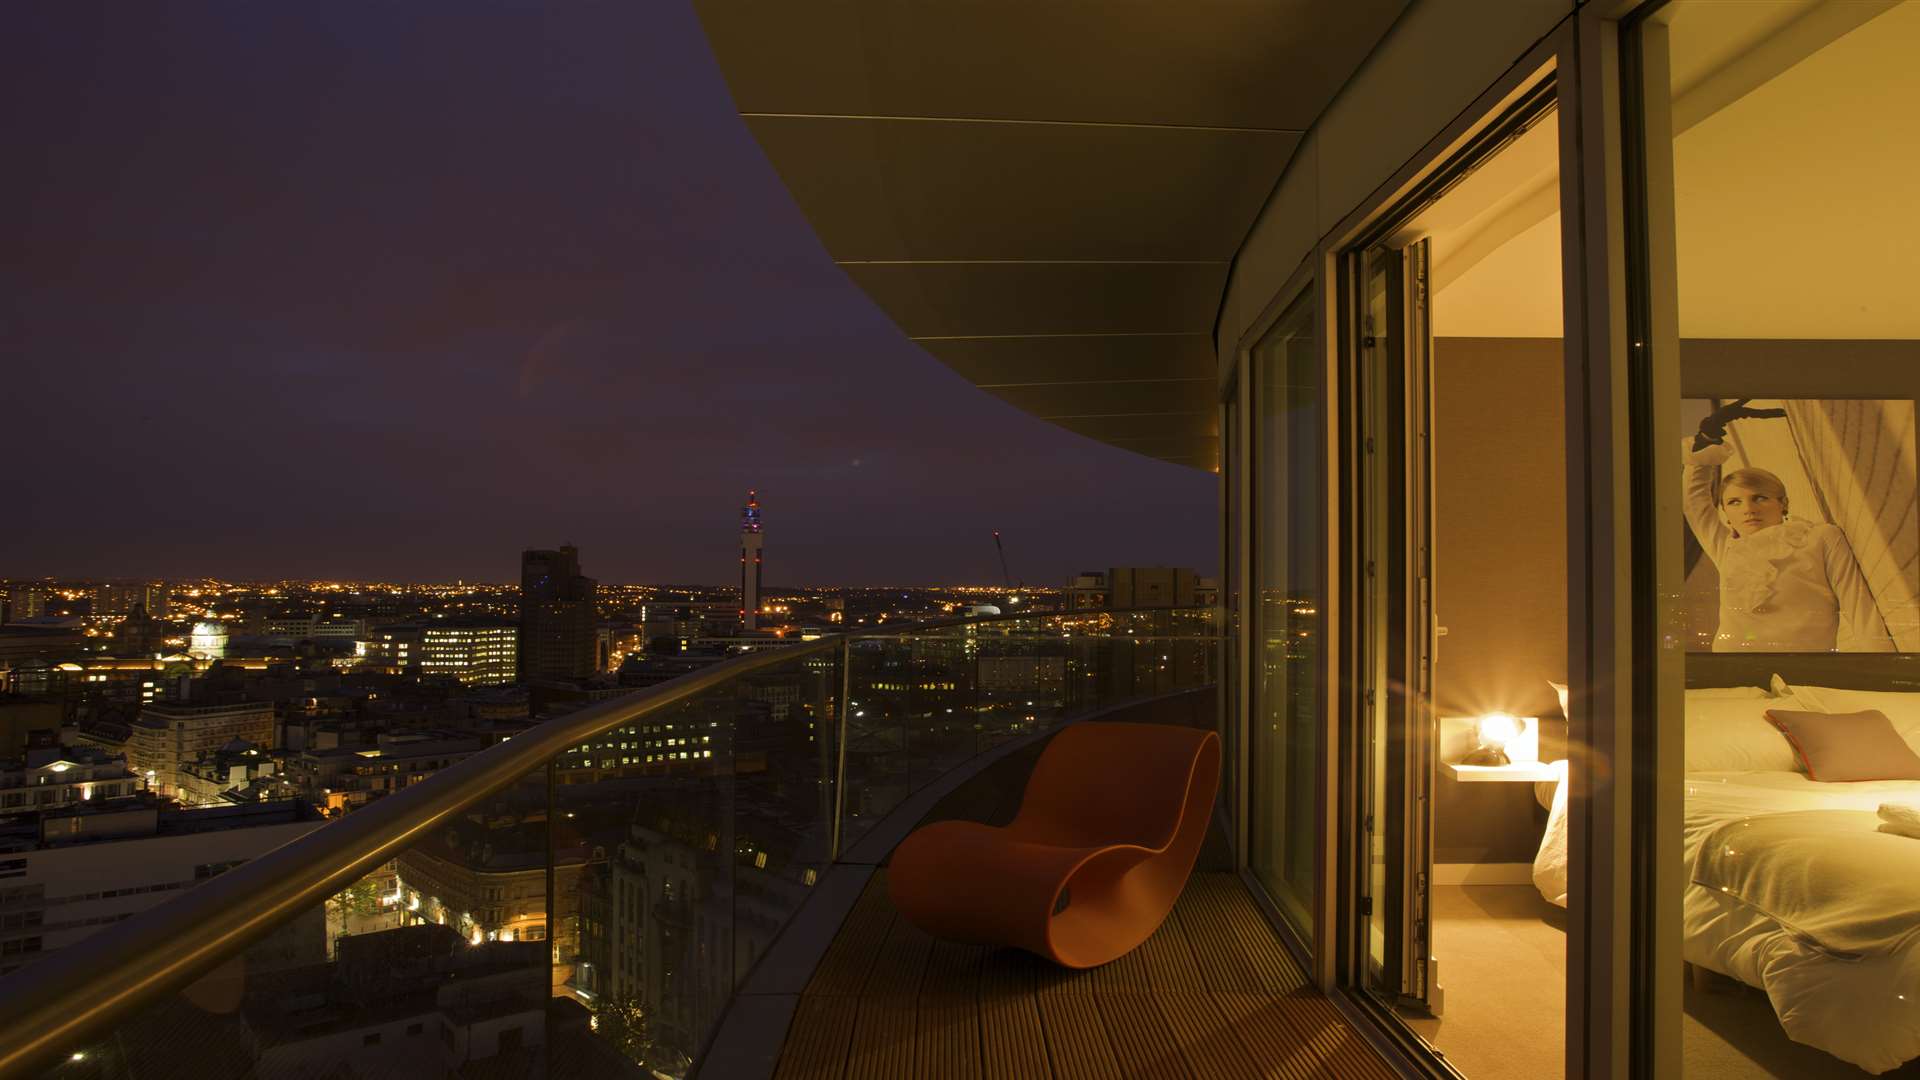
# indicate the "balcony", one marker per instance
pixel 714 889
pixel 1213 993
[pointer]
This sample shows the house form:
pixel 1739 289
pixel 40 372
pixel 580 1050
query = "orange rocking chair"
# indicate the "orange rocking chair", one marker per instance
pixel 1108 830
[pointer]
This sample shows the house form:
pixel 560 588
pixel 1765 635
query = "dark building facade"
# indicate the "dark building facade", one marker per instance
pixel 557 621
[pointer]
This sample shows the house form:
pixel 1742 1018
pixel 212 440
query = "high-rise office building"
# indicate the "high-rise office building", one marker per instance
pixel 557 620
pixel 24 602
pixel 124 597
pixel 750 540
pixel 479 651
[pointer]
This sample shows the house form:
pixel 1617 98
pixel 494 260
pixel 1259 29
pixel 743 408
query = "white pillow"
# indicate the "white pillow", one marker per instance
pixel 1561 689
pixel 1705 693
pixel 1734 735
pixel 1901 708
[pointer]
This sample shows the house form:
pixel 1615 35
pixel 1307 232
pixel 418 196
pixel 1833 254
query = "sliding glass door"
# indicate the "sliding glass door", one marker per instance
pixel 1396 533
pixel 1287 644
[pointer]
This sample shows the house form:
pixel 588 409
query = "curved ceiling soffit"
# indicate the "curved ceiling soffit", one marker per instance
pixel 1046 198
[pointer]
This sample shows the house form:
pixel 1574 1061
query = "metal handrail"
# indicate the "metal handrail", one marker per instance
pixel 45 1008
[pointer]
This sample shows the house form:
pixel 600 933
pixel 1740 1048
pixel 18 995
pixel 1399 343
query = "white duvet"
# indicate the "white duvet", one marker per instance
pixel 1864 1010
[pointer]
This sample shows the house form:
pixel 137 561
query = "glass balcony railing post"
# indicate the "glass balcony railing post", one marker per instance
pixel 841 711
pixel 1168 651
pixel 903 713
pixel 554 935
pixel 914 695
pixel 983 739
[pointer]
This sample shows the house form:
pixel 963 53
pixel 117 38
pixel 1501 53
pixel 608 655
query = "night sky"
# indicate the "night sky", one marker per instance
pixel 393 290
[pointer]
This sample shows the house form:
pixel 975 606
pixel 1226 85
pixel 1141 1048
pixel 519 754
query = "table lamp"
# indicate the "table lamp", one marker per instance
pixel 1494 732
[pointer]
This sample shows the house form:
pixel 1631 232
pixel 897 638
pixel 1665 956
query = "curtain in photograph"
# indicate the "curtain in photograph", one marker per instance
pixel 1859 456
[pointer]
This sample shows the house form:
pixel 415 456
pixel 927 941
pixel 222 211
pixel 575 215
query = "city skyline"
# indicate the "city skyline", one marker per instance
pixel 357 337
pixel 61 580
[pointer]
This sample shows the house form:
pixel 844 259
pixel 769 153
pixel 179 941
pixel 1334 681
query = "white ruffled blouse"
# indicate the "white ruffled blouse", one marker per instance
pixel 1791 588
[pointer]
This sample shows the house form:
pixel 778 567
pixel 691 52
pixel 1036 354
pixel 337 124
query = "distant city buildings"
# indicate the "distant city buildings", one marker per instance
pixel 419 1001
pixel 126 597
pixel 680 627
pixel 52 777
pixel 79 867
pixel 340 778
pixel 140 633
pixel 239 772
pixel 478 650
pixel 208 641
pixel 1087 591
pixel 166 735
pixel 293 629
pixel 21 643
pixel 558 623
pixel 23 718
pixel 23 602
pixel 392 648
pixel 485 876
pixel 1122 587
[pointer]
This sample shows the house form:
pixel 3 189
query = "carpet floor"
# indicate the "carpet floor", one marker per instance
pixel 1502 952
pixel 1732 1034
pixel 1503 967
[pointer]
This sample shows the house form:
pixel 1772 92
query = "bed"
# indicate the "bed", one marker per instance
pixel 1860 1004
pixel 1793 887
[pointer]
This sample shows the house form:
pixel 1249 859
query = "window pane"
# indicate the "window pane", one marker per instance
pixel 1230 609
pixel 1784 362
pixel 1289 530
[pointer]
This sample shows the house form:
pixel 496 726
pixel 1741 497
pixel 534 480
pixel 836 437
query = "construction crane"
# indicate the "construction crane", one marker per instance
pixel 1005 577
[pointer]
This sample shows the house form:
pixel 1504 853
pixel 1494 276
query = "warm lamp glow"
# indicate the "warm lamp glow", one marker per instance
pixel 1498 729
pixel 1503 739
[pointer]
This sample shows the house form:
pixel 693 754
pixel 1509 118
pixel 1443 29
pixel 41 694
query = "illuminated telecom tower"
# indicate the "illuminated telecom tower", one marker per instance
pixel 750 562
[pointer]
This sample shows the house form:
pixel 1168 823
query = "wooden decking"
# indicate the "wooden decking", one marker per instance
pixel 1212 994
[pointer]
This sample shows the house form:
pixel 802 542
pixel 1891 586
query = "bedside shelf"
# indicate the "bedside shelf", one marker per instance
pixel 1531 772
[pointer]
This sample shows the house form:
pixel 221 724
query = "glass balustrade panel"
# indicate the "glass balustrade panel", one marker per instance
pixel 440 959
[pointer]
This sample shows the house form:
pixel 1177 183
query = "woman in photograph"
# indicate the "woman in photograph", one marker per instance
pixel 1786 585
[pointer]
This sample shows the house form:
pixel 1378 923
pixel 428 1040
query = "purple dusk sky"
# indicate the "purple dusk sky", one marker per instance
pixel 394 290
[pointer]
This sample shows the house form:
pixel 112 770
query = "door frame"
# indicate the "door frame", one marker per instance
pixel 1580 57
pixel 1391 382
pixel 1604 1029
pixel 1389 444
pixel 1243 379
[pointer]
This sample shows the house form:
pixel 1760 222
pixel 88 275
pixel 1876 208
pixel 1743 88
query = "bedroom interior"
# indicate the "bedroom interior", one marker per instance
pixel 1792 250
pixel 1791 263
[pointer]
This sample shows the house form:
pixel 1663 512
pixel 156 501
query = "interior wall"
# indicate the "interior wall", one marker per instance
pixel 1500 571
pixel 1398 101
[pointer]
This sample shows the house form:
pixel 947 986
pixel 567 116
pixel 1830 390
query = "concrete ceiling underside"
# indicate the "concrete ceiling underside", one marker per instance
pixel 1046 197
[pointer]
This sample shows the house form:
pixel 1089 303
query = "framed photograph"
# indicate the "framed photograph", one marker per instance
pixel 1802 529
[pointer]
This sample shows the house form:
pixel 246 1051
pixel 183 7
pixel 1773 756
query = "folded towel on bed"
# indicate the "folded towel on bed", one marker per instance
pixel 1900 819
